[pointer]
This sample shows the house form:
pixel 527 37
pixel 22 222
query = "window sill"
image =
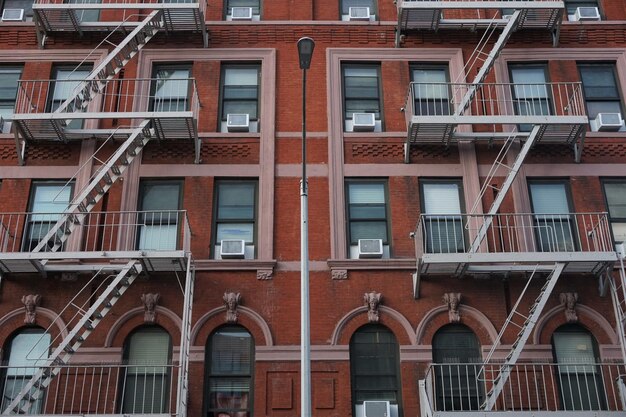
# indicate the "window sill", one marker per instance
pixel 340 267
pixel 604 135
pixel 264 269
pixel 226 135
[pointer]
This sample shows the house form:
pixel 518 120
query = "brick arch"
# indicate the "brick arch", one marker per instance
pixel 45 318
pixel 436 318
pixel 248 318
pixel 133 319
pixel 353 320
pixel 588 318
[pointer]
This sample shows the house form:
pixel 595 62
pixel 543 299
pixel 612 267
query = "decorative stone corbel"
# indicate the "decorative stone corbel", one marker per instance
pixel 372 300
pixel 232 299
pixel 264 274
pixel 31 302
pixel 150 302
pixel 340 274
pixel 568 301
pixel 452 300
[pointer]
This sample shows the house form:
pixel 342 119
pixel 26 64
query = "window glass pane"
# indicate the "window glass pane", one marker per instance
pixel 162 196
pixel 240 91
pixel 235 231
pixel 231 352
pixel 150 348
pixel 368 230
pixel 236 201
pixel 241 76
pixel 86 15
pixel 361 90
pixel 441 198
pixel 366 193
pixel 619 231
pixel 549 198
pixel 616 198
pixel 599 81
pixel 28 350
pixel 595 107
pixel 346 4
pixel 68 81
pixel 534 80
pixel 8 84
pixel 436 78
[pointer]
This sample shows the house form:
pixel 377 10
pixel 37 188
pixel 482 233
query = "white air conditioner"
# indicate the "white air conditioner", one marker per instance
pixel 232 249
pixel 620 248
pixel 370 248
pixel 607 122
pixel 241 13
pixel 359 13
pixel 13 15
pixel 363 122
pixel 586 14
pixel 238 122
pixel 376 408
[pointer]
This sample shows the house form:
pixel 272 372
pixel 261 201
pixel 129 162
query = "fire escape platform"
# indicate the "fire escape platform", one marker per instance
pixel 462 14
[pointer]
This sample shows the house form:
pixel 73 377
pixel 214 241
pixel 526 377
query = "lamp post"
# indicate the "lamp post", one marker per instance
pixel 305 52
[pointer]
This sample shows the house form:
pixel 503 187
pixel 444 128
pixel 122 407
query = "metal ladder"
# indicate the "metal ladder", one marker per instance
pixel 99 184
pixel 526 327
pixel 185 342
pixel 88 321
pixel 618 294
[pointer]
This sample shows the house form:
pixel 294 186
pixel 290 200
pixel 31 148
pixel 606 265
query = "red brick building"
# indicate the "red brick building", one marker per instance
pixel 467 200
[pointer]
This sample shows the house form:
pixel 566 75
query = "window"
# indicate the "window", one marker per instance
pixel 146 385
pixel 361 94
pixel 48 200
pixel 24 353
pixel 9 77
pixel 457 360
pixel 235 217
pixel 572 5
pixel 431 91
pixel 26 5
pixel 67 81
pixel 244 9
pixel 578 377
pixel 171 88
pixel 602 93
pixel 159 215
pixel 90 15
pixel 442 224
pixel 530 93
pixel 374 367
pixel 553 223
pixel 355 10
pixel 615 194
pixel 240 96
pixel 230 359
pixel 367 213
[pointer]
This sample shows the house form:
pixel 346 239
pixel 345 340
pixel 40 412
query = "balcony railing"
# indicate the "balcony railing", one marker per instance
pixel 530 388
pixel 148 231
pixel 99 389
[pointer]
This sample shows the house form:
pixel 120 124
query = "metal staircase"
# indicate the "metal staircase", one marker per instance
pixel 185 342
pixel 87 322
pixel 618 294
pixel 525 323
pixel 99 184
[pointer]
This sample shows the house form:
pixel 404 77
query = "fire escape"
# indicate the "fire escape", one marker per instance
pixel 115 248
pixel 541 247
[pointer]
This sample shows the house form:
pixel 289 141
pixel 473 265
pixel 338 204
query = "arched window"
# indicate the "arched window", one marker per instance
pixel 457 359
pixel 375 368
pixel 147 352
pixel 24 352
pixel 230 369
pixel 580 381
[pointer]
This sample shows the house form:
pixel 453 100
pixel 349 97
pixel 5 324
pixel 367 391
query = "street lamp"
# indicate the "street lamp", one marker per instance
pixel 305 52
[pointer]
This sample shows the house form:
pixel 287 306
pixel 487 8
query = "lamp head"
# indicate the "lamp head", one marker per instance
pixel 305 51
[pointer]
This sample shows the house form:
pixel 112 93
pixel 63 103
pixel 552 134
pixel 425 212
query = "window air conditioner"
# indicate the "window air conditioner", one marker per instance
pixel 370 248
pixel 241 13
pixel 13 15
pixel 620 248
pixel 359 13
pixel 586 14
pixel 232 249
pixel 607 122
pixel 376 408
pixel 363 122
pixel 238 122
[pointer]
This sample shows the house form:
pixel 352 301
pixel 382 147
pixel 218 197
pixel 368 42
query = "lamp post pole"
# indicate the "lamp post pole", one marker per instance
pixel 305 52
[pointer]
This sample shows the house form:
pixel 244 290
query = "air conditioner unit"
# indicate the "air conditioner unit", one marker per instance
pixel 359 13
pixel 238 122
pixel 363 122
pixel 232 249
pixel 241 13
pixel 13 15
pixel 607 122
pixel 620 248
pixel 586 14
pixel 376 408
pixel 370 248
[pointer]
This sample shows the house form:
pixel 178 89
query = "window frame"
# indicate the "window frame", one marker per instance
pixel 438 67
pixel 378 115
pixel 144 220
pixel 216 220
pixel 368 181
pixel 612 219
pixel 5 102
pixel 222 116
pixel 51 101
pixel 29 14
pixel 373 6
pixel 548 99
pixel 27 245
pixel 446 218
pixel 572 5
pixel 227 14
pixel 210 375
pixel 598 99
pixel 156 68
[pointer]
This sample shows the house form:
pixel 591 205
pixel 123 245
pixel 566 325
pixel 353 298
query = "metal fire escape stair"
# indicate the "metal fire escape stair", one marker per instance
pixel 89 320
pixel 525 322
pixel 618 294
pixel 100 183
